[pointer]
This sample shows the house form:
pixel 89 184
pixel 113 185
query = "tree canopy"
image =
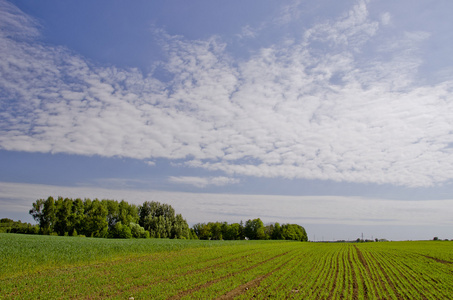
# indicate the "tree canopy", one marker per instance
pixel 119 219
pixel 107 218
pixel 252 230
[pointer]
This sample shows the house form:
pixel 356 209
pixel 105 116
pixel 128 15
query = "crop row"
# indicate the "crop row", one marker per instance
pixel 347 271
pixel 245 270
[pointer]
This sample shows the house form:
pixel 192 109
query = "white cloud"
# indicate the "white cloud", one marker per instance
pixel 288 12
pixel 202 182
pixel 386 18
pixel 15 24
pixel 247 32
pixel 312 109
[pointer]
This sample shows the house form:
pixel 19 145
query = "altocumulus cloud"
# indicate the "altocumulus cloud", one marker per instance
pixel 203 181
pixel 306 107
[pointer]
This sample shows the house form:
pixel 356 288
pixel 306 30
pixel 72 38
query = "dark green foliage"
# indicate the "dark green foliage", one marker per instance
pixel 203 231
pixel 192 234
pixel 138 231
pixel 110 218
pixel 120 231
pixel 180 228
pixel 218 231
pixel 161 222
pixel 96 224
pixel 43 212
pixel 120 212
pixel 233 231
pixel 276 232
pixel 63 213
pixel 10 226
pixel 253 230
pixel 37 212
pixel 77 217
pixel 294 232
pixel 107 218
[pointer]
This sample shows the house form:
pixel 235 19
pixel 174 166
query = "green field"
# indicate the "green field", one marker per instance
pixel 52 267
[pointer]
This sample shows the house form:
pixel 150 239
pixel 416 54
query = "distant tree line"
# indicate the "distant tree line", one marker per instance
pixel 108 218
pixel 10 226
pixel 252 230
pixel 113 219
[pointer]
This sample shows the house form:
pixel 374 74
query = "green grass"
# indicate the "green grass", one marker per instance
pixel 28 253
pixel 50 267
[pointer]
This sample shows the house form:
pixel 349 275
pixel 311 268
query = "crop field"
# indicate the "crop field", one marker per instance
pixel 51 267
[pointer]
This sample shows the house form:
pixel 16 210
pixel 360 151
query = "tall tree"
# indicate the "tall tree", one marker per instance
pixel 254 229
pixel 63 225
pixel 127 213
pixel 180 228
pixel 203 231
pixel 77 216
pixel 37 212
pixel 96 218
pixel 159 220
pixel 216 231
pixel 49 217
pixel 112 212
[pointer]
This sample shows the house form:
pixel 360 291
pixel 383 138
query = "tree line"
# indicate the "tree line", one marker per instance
pixel 113 219
pixel 108 218
pixel 252 230
pixel 11 226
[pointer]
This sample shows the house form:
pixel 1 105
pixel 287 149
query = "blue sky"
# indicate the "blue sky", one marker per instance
pixel 336 115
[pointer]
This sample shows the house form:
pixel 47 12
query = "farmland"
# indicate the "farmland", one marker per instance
pixel 53 267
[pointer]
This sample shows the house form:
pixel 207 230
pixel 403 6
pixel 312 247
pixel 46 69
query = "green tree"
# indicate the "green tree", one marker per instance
pixel 146 209
pixel 192 234
pixel 138 231
pixel 77 216
pixel 37 212
pixel 63 224
pixel 216 230
pixel 225 229
pixel 254 229
pixel 127 213
pixel 112 212
pixel 233 232
pixel 294 232
pixel 120 231
pixel 48 216
pixel 277 232
pixel 159 220
pixel 180 228
pixel 158 227
pixel 96 224
pixel 203 231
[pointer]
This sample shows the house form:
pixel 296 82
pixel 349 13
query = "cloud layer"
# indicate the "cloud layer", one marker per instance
pixel 202 182
pixel 312 106
pixel 202 207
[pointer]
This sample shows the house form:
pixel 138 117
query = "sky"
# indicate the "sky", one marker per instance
pixel 335 115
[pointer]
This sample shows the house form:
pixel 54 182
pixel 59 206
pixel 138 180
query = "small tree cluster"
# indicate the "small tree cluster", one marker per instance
pixel 252 230
pixel 287 232
pixel 107 218
pixel 161 221
pixel 219 231
pixel 10 226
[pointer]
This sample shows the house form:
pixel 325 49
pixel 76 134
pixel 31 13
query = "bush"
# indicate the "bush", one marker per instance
pixel 138 231
pixel 120 231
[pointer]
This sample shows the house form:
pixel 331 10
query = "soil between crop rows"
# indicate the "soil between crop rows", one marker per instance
pixel 278 270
